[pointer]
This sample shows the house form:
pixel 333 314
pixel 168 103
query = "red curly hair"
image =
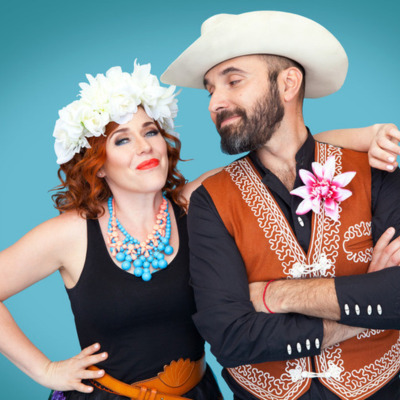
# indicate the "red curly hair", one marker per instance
pixel 83 191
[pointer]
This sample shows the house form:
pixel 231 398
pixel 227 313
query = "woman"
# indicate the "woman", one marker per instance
pixel 120 244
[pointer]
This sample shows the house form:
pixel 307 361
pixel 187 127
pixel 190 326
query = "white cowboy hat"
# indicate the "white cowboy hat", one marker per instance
pixel 226 36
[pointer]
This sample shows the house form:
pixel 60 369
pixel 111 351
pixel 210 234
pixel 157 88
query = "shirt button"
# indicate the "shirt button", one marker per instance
pixel 347 309
pixel 299 347
pixel 369 310
pixel 317 343
pixel 289 349
pixel 308 344
pixel 300 221
pixel 379 309
pixel 357 309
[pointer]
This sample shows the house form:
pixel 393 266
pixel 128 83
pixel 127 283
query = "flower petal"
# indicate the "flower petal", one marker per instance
pixel 316 205
pixel 343 179
pixel 332 213
pixel 304 207
pixel 307 177
pixel 329 168
pixel 302 191
pixel 330 204
pixel 318 170
pixel 342 194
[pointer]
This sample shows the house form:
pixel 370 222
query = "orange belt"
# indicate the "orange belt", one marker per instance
pixel 177 379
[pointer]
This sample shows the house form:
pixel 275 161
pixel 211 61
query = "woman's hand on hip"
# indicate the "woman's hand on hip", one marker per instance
pixel 68 374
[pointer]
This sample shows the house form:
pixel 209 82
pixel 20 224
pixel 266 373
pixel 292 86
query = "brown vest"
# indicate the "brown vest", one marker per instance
pixel 361 365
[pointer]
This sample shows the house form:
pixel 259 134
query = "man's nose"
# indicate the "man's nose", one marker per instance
pixel 218 102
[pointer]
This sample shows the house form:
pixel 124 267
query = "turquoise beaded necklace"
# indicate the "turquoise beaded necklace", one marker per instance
pixel 141 255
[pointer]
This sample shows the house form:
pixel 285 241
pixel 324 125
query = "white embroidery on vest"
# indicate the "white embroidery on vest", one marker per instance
pixel 264 386
pixel 325 235
pixel 332 372
pixel 353 385
pixel 369 332
pixel 357 231
pixel 269 216
pixel 298 270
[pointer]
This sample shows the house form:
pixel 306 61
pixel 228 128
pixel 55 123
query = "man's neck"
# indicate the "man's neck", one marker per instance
pixel 279 154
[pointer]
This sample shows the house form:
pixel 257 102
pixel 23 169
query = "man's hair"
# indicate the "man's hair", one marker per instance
pixel 277 64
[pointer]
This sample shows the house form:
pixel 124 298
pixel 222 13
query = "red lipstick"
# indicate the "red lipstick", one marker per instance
pixel 148 164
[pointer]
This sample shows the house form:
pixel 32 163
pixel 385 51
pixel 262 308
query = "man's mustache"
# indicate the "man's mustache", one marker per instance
pixel 226 114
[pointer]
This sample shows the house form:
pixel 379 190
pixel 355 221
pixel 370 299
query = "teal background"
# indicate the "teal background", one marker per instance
pixel 47 47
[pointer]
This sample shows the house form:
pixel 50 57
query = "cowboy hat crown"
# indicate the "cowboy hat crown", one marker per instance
pixel 226 36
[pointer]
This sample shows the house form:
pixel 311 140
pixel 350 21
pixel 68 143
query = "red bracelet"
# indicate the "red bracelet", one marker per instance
pixel 265 304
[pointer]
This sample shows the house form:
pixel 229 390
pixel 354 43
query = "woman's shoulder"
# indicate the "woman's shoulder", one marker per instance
pixel 190 187
pixel 63 231
pixel 67 222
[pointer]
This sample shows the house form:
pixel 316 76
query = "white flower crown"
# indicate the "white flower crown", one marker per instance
pixel 113 97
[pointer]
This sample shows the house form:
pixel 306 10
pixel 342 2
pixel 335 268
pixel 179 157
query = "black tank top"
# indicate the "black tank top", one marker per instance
pixel 142 325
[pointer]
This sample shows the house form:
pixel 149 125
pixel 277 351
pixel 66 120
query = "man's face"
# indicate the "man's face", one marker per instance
pixel 245 107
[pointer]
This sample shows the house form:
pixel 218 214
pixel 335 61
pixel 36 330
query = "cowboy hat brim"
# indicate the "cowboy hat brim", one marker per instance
pixel 226 36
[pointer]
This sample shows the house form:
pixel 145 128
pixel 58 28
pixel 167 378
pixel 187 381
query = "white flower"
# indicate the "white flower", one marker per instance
pixel 114 96
pixel 93 121
pixel 67 143
pixel 69 115
pixel 121 104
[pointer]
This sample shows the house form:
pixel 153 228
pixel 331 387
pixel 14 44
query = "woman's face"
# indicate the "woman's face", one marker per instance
pixel 137 159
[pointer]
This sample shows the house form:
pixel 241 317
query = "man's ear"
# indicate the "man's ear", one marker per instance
pixel 292 79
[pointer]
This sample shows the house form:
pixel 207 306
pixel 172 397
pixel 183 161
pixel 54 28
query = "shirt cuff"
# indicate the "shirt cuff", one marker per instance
pixel 370 300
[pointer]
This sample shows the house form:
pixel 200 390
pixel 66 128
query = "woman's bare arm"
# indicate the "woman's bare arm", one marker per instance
pixel 193 185
pixel 379 140
pixel 53 245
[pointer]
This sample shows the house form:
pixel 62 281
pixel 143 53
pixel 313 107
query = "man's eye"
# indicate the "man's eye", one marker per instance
pixel 210 94
pixel 233 83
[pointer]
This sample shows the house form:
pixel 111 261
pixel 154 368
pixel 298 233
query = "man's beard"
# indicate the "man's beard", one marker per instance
pixel 255 130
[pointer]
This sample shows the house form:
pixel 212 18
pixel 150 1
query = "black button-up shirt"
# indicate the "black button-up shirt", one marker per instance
pixel 225 316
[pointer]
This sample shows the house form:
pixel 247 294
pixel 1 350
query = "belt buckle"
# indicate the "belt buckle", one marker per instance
pixel 177 373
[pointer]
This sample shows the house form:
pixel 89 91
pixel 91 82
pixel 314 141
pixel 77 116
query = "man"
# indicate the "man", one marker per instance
pixel 246 227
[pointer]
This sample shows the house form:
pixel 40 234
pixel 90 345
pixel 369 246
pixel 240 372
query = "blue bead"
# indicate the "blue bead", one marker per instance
pixel 160 247
pixel 126 265
pixel 168 250
pixel 160 256
pixel 137 263
pixel 155 263
pixel 128 257
pixel 146 276
pixel 111 248
pixel 142 258
pixel 146 264
pixel 138 272
pixel 162 264
pixel 150 258
pixel 164 240
pixel 120 256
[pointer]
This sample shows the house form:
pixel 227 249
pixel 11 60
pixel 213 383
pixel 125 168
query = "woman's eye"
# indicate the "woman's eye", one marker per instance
pixel 152 133
pixel 122 141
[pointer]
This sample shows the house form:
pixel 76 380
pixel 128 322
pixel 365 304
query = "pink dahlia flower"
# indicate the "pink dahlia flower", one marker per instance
pixel 323 187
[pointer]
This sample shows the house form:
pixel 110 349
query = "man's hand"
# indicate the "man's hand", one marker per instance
pixel 385 254
pixel 335 333
pixel 384 148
